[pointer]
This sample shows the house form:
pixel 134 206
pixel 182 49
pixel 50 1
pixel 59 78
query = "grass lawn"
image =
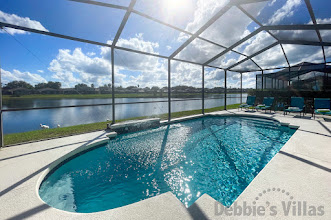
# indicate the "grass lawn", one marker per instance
pixel 16 138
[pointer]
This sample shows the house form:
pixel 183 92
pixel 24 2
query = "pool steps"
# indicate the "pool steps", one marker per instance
pixel 112 135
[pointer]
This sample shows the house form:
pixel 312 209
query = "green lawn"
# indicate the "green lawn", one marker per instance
pixel 16 138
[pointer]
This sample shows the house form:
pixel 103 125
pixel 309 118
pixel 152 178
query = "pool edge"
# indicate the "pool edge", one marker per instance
pixel 86 148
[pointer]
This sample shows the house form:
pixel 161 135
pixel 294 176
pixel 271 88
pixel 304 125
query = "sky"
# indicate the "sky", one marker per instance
pixel 38 58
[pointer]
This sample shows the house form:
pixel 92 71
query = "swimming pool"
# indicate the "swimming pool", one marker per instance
pixel 219 156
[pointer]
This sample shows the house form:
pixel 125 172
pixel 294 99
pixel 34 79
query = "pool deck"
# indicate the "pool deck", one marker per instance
pixel 300 172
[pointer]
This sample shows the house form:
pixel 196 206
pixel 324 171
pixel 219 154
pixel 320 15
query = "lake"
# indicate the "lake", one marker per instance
pixel 21 121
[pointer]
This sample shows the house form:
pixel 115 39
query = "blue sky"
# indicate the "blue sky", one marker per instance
pixel 37 58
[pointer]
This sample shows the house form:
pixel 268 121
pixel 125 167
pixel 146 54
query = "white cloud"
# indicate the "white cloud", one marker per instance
pixel 303 53
pixel 309 35
pixel 87 69
pixel 199 51
pixel 77 66
pixel 272 2
pixel 229 28
pixel 214 78
pixel 77 61
pixel 185 74
pixel 72 67
pixel 136 69
pixel 249 79
pixel 256 43
pixel 138 43
pixel 90 54
pixel 32 78
pixel 286 10
pixel 227 60
pixel 323 21
pixel 20 21
pixel 274 57
pixel 40 71
pixel 205 10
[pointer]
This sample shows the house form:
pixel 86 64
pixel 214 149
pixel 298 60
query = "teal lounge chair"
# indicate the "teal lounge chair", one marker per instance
pixel 267 104
pixel 321 106
pixel 297 105
pixel 250 101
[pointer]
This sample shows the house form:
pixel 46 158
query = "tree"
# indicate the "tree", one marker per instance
pixel 154 89
pixel 82 87
pixel 18 84
pixel 54 85
pixel 40 85
pixel 131 87
pixel 50 84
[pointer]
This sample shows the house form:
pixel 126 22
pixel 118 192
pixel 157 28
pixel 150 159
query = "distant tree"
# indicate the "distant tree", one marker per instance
pixel 131 87
pixel 82 87
pixel 92 86
pixel 18 84
pixel 54 85
pixel 154 89
pixel 50 84
pixel 40 85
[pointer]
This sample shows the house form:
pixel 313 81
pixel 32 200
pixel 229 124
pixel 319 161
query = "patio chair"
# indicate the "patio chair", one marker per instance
pixel 250 101
pixel 297 105
pixel 321 106
pixel 267 104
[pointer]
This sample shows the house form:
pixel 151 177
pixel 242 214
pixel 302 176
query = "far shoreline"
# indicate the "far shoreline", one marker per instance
pixel 108 96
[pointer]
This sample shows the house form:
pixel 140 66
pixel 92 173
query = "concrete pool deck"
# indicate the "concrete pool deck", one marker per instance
pixel 299 173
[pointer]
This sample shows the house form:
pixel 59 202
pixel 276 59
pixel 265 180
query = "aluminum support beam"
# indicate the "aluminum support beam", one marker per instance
pixel 241 88
pixel 312 15
pixel 298 27
pixel 101 4
pixel 125 19
pixel 202 29
pixel 253 55
pixel 225 89
pixel 203 90
pixel 304 42
pixel 113 84
pixel 169 89
pixel 234 45
pixel 262 82
pixel 256 82
pixel 153 19
pixel 261 25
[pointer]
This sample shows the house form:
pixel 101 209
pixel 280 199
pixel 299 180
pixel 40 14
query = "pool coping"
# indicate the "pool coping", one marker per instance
pixel 167 199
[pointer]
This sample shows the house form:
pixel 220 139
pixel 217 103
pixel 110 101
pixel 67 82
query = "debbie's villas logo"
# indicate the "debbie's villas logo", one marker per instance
pixel 288 206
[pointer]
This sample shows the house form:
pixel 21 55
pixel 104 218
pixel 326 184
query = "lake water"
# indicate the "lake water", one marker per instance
pixel 21 121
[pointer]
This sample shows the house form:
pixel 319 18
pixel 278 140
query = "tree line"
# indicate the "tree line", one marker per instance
pixel 22 88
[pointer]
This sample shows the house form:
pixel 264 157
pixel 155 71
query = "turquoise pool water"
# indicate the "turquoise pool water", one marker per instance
pixel 219 156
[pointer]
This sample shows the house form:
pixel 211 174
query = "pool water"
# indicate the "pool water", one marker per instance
pixel 219 156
